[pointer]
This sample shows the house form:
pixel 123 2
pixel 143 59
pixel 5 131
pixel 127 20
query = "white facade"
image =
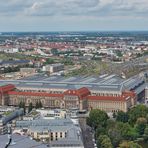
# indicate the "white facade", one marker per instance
pixel 53 68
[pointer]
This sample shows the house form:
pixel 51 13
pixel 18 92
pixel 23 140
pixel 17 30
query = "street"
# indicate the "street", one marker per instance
pixel 86 133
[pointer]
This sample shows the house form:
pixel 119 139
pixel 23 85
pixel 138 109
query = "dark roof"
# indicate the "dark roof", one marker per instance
pixel 14 62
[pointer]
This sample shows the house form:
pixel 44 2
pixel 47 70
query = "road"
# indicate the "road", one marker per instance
pixel 86 133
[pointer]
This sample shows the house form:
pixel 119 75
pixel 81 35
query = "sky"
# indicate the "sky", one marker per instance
pixel 73 15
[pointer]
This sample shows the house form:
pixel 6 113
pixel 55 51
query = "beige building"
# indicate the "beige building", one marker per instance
pixel 47 134
pixel 47 100
pixel 81 99
pixel 112 103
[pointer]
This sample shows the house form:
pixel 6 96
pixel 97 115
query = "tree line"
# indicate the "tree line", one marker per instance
pixel 125 130
pixel 38 104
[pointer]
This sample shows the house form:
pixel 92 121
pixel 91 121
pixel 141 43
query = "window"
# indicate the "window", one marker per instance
pixel 51 138
pixel 56 134
pixel 65 134
pixel 51 134
pixel 61 135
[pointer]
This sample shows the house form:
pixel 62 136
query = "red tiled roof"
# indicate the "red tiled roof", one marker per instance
pixel 82 92
pixel 6 88
pixel 35 94
pixel 123 97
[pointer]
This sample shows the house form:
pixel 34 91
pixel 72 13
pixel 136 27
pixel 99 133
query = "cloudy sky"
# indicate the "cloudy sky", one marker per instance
pixel 73 15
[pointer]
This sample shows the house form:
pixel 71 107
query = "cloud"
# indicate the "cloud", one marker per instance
pixel 74 7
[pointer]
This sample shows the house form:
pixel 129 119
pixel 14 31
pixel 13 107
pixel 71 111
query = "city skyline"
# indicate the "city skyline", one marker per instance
pixel 73 15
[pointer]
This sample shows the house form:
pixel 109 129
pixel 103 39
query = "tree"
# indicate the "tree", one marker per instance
pixel 49 61
pixel 122 116
pixel 114 115
pixel 124 129
pixel 115 136
pixel 22 105
pixel 141 125
pixel 130 144
pixel 37 105
pixel 136 112
pixel 110 124
pixel 40 104
pixel 119 53
pixel 132 134
pixel 30 107
pixel 104 142
pixel 100 131
pixel 97 117
pixel 145 135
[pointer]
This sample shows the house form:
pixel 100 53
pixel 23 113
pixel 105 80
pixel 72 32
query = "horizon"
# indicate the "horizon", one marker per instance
pixel 56 31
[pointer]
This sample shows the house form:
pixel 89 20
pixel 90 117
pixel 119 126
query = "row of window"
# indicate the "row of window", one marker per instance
pixel 105 94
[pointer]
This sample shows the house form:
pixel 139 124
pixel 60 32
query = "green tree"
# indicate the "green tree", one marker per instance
pixel 40 104
pixel 24 106
pixel 136 112
pixel 37 104
pixel 122 116
pixel 100 131
pixel 114 115
pixel 141 125
pixel 104 142
pixel 145 135
pixel 119 53
pixel 115 136
pixel 132 134
pixel 97 117
pixel 20 104
pixel 110 124
pixel 130 144
pixel 30 107
pixel 124 129
pixel 49 61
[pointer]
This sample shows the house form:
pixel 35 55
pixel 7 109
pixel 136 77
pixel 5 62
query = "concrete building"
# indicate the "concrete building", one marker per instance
pixel 52 68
